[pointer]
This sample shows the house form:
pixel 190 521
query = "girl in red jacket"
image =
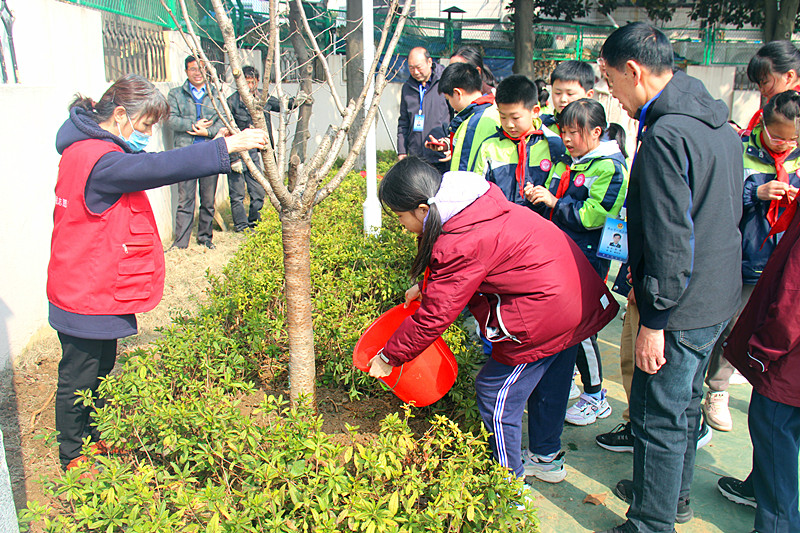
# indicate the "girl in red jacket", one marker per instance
pixel 532 291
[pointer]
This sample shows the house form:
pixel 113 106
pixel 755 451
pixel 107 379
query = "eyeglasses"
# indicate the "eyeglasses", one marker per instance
pixel 777 141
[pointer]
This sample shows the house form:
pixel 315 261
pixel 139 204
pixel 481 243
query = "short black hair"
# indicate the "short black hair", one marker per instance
pixel 573 70
pixel 778 56
pixel 250 72
pixel 517 89
pixel 617 235
pixel 188 60
pixel 460 76
pixel 640 42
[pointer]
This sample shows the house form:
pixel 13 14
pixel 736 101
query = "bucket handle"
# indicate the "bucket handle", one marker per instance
pixel 398 378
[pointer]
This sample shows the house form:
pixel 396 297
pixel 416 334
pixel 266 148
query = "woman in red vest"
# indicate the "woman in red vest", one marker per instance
pixel 106 259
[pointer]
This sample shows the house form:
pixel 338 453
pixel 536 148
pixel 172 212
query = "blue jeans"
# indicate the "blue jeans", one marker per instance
pixel 665 419
pixel 775 432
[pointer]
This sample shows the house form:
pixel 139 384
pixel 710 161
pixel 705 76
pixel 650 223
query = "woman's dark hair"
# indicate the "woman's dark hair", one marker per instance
pixel 640 42
pixel 778 56
pixel 786 104
pixel 136 94
pixel 617 133
pixel 544 94
pixel 409 183
pixel 472 55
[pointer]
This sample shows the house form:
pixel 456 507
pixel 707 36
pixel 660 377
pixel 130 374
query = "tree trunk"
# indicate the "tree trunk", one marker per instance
pixel 770 17
pixel 523 38
pixel 355 69
pixel 296 232
pixel 784 24
pixel 305 62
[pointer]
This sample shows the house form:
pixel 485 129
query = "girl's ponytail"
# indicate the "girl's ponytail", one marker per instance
pixel 615 132
pixel 408 184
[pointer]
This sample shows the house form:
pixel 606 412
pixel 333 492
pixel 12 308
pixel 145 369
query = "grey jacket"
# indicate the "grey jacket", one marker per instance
pixel 182 114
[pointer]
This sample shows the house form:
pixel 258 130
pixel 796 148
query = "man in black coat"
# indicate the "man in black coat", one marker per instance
pixel 423 109
pixel 241 176
pixel 684 205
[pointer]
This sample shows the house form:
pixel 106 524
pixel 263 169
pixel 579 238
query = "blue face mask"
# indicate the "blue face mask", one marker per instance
pixel 138 140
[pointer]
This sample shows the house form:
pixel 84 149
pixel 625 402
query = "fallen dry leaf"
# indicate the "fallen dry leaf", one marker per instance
pixel 595 499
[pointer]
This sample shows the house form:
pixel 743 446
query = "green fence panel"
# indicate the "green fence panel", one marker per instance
pixel 146 10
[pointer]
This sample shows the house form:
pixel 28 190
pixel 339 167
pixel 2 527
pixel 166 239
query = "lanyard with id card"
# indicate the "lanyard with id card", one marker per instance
pixel 419 118
pixel 614 240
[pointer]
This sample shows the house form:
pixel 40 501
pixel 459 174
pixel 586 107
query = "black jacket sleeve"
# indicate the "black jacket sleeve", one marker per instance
pixel 667 227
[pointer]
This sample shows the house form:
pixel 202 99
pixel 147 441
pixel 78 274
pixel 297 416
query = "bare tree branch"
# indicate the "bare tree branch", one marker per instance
pixel 322 59
pixel 226 26
pixel 380 84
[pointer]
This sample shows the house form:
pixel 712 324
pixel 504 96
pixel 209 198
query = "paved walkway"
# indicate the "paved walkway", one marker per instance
pixel 593 470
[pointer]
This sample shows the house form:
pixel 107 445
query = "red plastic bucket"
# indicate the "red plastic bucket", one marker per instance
pixel 423 380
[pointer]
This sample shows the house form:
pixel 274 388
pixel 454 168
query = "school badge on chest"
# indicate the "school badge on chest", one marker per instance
pixel 546 165
pixel 580 179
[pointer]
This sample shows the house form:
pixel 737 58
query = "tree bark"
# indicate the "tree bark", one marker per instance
pixel 296 232
pixel 523 38
pixel 306 69
pixel 784 24
pixel 354 50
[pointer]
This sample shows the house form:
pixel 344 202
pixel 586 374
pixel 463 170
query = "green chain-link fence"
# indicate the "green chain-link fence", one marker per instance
pixel 441 36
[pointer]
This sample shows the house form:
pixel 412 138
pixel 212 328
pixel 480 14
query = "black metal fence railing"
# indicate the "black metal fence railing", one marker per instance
pixel 131 46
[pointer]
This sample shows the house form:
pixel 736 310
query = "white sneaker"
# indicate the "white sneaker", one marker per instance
pixel 574 392
pixel 552 471
pixel 588 410
pixel 715 407
pixel 737 379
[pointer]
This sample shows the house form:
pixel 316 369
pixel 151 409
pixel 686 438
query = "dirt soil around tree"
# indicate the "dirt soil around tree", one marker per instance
pixel 28 409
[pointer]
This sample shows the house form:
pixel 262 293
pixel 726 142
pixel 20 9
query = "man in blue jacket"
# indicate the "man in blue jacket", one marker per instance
pixel 684 205
pixel 423 110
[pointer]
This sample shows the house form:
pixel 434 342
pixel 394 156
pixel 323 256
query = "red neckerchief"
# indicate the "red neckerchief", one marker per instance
pixel 781 175
pixel 757 115
pixel 522 156
pixel 563 185
pixel 782 224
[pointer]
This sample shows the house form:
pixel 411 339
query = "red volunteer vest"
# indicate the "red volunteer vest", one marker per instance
pixel 106 264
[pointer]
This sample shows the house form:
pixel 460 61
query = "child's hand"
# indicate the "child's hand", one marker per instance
pixel 437 145
pixel 378 368
pixel 414 293
pixel 541 195
pixel 773 190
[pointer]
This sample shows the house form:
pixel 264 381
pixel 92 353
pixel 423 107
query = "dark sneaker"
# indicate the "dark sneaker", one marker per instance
pixel 705 434
pixel 619 439
pixel 624 491
pixel 622 528
pixel 207 244
pixel 740 492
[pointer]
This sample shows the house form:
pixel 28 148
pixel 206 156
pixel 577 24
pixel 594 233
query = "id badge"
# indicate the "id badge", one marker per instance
pixel 419 122
pixel 614 240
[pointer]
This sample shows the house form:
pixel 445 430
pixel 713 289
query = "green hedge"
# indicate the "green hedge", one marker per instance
pixel 201 457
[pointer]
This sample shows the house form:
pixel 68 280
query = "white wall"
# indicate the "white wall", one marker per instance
pixel 31 114
pixel 59 50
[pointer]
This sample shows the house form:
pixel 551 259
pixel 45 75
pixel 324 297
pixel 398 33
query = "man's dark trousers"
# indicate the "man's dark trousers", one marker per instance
pixel 184 218
pixel 665 420
pixel 236 186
